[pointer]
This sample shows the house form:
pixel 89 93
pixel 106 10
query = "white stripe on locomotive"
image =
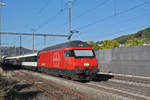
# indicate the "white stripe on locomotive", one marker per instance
pixel 29 64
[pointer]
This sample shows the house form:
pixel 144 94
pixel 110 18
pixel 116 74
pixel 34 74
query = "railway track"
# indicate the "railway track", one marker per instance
pixel 122 90
pixel 133 79
pixel 54 90
pixel 113 89
pixel 132 88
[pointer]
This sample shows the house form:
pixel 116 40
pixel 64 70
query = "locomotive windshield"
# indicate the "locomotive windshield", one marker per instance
pixel 80 53
pixel 83 53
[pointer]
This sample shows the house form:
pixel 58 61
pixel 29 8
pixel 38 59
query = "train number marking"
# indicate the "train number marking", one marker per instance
pixel 86 64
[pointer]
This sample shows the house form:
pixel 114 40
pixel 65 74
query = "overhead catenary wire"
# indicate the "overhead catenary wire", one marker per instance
pixel 88 10
pixel 129 19
pixel 41 10
pixel 61 4
pixel 111 16
pixel 124 30
pixel 74 1
pixel 49 19
pixel 91 9
pixel 43 7
pixel 114 1
pixel 54 17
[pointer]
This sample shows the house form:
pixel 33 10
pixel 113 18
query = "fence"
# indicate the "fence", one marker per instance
pixel 132 61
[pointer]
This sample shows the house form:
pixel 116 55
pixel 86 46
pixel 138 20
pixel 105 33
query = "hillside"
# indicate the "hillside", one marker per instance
pixel 11 51
pixel 141 38
pixel 145 34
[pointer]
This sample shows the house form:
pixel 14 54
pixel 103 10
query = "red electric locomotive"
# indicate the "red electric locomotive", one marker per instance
pixel 73 59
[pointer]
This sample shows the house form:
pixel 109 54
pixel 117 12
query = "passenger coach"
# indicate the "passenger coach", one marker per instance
pixel 28 61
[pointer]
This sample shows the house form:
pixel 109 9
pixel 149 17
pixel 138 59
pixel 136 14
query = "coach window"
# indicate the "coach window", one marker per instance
pixel 69 53
pixel 35 58
pixel 31 59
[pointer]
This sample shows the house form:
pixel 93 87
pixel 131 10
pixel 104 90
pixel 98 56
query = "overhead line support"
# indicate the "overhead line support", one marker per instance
pixel 37 34
pixel 1 4
pixel 69 31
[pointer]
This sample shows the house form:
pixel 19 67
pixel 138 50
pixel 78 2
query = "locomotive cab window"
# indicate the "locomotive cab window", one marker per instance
pixel 80 53
pixel 84 53
pixel 69 53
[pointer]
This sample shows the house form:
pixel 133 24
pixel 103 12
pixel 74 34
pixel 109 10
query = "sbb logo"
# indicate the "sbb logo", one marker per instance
pixel 56 59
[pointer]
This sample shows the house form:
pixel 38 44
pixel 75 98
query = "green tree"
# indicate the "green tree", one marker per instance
pixel 109 44
pixel 129 43
pixel 94 45
pixel 136 42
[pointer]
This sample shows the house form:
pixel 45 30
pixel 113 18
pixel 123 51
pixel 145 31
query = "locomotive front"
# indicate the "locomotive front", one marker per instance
pixel 82 61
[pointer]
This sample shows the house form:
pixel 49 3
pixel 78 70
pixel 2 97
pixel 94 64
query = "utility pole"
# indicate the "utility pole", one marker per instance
pixel 69 31
pixel 15 50
pixel 1 4
pixel 114 7
pixel 33 30
pixel 44 40
pixel 20 50
pixel 15 47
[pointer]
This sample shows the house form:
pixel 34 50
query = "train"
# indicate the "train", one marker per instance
pixel 73 59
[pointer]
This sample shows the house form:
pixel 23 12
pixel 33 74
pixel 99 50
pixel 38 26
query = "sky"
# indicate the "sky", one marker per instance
pixel 96 20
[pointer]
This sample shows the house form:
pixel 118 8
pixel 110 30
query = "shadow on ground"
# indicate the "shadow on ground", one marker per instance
pixel 102 77
pixel 22 92
pixel 27 95
pixel 19 87
pixel 9 68
pixel 14 90
pixel 99 78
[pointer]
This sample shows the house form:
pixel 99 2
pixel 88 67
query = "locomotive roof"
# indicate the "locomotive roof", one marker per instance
pixel 67 45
